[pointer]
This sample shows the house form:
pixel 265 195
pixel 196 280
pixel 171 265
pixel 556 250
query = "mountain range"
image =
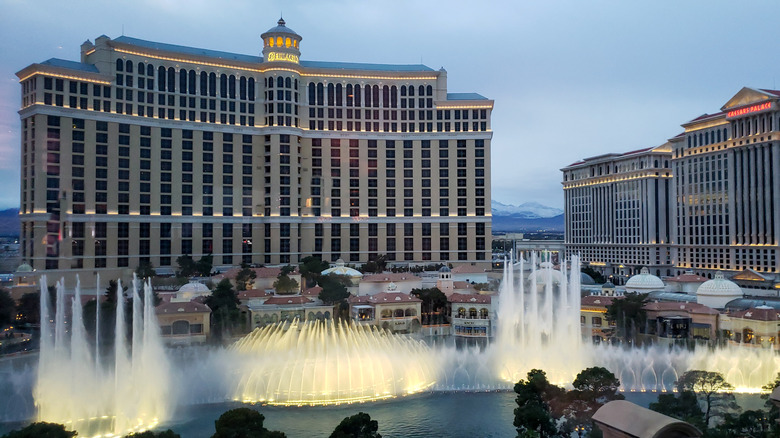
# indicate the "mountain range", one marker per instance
pixel 526 217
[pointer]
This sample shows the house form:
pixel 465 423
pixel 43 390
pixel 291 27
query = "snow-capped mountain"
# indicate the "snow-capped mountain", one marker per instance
pixel 527 210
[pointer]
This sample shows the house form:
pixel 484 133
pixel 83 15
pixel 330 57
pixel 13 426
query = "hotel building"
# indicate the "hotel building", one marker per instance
pixel 616 212
pixel 144 151
pixel 709 200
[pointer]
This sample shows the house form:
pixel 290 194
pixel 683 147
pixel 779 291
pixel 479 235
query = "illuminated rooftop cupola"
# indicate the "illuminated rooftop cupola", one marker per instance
pixel 281 44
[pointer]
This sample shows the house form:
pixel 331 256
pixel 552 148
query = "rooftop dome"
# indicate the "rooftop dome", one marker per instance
pixel 586 279
pixel 644 281
pixel 340 269
pixel 444 269
pixel 281 28
pixel 195 287
pixel 24 267
pixel 718 292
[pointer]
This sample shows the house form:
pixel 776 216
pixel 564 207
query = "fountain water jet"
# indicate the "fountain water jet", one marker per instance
pixel 323 363
pixel 124 392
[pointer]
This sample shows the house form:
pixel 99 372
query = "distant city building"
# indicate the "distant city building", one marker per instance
pixel 616 212
pixel 145 151
pixel 706 201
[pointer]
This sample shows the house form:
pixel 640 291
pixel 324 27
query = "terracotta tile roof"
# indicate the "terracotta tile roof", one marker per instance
pixel 636 151
pixel 467 269
pixel 773 92
pixel 383 297
pixel 596 301
pixel 395 277
pixel 252 293
pixel 688 278
pixel 353 299
pixel 288 299
pixel 462 285
pixel 312 291
pixel 190 307
pixel 470 298
pixel 667 306
pixel 707 116
pixel 758 314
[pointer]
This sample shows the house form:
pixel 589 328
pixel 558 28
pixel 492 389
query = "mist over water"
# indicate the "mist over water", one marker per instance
pixel 134 386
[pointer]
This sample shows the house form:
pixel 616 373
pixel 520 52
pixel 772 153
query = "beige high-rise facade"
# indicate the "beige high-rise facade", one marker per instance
pixel 706 201
pixel 617 216
pixel 143 151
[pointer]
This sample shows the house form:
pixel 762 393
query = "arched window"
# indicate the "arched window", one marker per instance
pixel 271 42
pixel 180 328
pixel 149 70
pixel 183 81
pixel 596 321
pixel 223 86
pixel 429 90
pixel 192 85
pixel 320 94
pixel 269 82
pixel 689 141
pixel 212 84
pixel 367 90
pixel 232 86
pixel 393 97
pixel 411 90
pixel 461 312
pixel 129 66
pixel 279 41
pixel 312 99
pixel 403 90
pixel 295 84
pixel 171 79
pixel 204 83
pixel 421 91
pixel 386 313
pixel 288 82
pixel 350 96
pixel 280 82
pixel 375 96
pixel 331 95
pixel 358 100
pixel 472 313
pixel 385 97
pixel 339 101
pixel 718 131
pixel 483 313
pixel 410 312
pixel 747 335
pixel 120 65
pixel 287 42
pixel 141 68
pixel 398 313
pixel 251 93
pixel 242 88
pixel 161 79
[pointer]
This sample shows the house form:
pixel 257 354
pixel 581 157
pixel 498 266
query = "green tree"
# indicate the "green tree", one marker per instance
pixel 712 388
pixel 186 265
pixel 772 412
pixel 593 387
pixel 204 265
pixel 533 413
pixel 285 285
pixel 29 308
pixel 245 277
pixel 334 290
pixel 145 270
pixel 243 423
pixel 7 308
pixel 41 430
pixel 223 302
pixel 311 269
pixel 628 314
pixel 749 424
pixel 683 406
pixel 359 425
pixel 149 434
pixel 378 265
pixel 434 304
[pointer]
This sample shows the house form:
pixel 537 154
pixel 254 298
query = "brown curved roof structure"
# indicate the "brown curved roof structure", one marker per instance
pixel 623 419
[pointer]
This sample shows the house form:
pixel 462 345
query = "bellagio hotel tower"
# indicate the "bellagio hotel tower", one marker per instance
pixel 145 151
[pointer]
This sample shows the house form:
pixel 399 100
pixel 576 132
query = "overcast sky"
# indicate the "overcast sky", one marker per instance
pixel 570 79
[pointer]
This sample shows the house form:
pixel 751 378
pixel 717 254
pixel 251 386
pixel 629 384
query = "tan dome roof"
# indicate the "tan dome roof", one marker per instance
pixel 541 275
pixel 645 281
pixel 195 287
pixel 24 267
pixel 340 269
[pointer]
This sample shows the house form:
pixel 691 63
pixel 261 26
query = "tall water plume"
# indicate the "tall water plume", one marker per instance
pixel 117 392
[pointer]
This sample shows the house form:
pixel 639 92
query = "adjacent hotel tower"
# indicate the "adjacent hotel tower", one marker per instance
pixel 145 151
pixel 711 195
